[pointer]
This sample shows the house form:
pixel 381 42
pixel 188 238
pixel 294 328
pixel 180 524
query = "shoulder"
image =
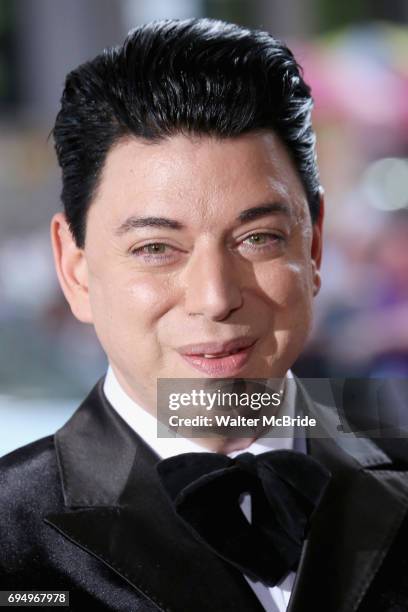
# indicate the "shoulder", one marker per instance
pixel 29 476
pixel 30 456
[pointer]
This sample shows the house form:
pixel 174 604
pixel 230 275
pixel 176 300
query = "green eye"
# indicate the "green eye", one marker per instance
pixel 156 248
pixel 258 239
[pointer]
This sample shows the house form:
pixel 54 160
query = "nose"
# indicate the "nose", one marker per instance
pixel 212 287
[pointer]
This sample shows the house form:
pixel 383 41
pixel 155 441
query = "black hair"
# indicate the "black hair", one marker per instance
pixel 198 76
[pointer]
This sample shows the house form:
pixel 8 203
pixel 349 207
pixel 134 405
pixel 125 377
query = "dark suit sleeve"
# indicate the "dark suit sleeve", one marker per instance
pixel 33 555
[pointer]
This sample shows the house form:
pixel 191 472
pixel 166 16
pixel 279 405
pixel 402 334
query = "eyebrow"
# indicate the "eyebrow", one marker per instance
pixel 250 214
pixel 136 222
pixel 256 212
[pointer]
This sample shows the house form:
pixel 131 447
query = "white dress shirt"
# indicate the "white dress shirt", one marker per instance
pixel 273 599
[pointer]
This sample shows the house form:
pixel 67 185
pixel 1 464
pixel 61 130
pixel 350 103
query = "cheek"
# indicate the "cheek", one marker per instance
pixel 126 310
pixel 288 293
pixel 288 286
pixel 150 297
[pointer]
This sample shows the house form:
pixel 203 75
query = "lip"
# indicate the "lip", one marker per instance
pixel 225 366
pixel 214 348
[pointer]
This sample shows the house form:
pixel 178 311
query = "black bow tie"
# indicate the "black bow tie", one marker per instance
pixel 285 488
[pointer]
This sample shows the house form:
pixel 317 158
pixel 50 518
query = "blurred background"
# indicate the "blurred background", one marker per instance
pixel 354 55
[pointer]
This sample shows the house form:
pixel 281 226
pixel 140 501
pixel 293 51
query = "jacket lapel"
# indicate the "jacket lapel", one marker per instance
pixel 355 523
pixel 117 510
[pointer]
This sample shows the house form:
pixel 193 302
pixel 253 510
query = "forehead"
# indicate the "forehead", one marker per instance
pixel 198 179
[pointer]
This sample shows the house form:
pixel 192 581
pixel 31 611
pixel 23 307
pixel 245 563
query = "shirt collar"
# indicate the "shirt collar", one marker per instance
pixel 145 424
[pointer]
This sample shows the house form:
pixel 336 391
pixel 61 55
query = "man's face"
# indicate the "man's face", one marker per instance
pixel 198 248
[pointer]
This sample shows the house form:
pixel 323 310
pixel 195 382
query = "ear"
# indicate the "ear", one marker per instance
pixel 71 267
pixel 317 244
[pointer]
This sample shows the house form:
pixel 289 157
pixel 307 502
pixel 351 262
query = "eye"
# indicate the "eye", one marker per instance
pixel 155 252
pixel 262 244
pixel 259 239
pixel 262 239
pixel 156 248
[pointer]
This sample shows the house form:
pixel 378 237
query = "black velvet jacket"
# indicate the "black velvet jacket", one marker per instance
pixel 83 511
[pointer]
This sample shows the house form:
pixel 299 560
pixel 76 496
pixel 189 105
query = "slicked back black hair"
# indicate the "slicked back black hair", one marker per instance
pixel 197 76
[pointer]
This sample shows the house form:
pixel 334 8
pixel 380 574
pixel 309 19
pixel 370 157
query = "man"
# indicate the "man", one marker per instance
pixel 191 239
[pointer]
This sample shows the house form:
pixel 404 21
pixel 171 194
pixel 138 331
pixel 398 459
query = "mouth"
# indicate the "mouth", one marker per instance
pixel 218 358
